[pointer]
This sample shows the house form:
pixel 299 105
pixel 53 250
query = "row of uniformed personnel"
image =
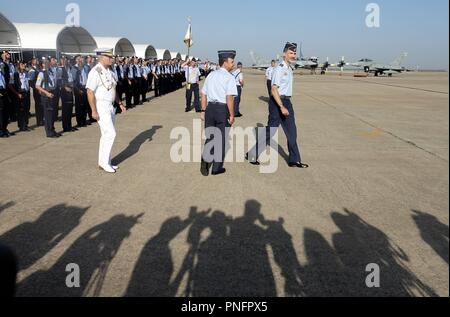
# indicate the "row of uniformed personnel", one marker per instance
pixel 51 82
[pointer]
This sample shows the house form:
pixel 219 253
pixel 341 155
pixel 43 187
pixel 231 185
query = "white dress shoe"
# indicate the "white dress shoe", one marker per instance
pixel 107 169
pixel 115 167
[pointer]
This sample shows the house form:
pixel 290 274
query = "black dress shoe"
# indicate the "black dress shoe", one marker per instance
pixel 221 171
pixel 298 165
pixel 54 136
pixel 204 168
pixel 74 129
pixel 252 162
pixel 239 115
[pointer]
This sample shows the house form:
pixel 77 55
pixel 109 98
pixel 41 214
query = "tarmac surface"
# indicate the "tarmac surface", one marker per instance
pixel 377 192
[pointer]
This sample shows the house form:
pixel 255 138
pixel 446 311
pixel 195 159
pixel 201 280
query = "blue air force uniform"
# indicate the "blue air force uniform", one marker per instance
pixel 282 77
pixel 192 75
pixel 239 77
pixel 22 87
pixel 47 81
pixel 3 111
pixel 5 104
pixel 67 86
pixel 217 87
pixel 80 76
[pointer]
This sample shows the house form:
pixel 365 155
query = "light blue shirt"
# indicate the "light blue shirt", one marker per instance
pixel 2 81
pixel 83 75
pixel 122 73
pixel 269 73
pixel 138 71
pixel 219 85
pixel 40 81
pixel 145 71
pixel 131 71
pixel 283 78
pixel 32 74
pixel 24 81
pixel 238 76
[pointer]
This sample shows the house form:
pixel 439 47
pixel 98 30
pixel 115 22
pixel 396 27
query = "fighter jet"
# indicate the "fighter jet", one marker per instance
pixel 311 63
pixel 371 66
pixel 258 62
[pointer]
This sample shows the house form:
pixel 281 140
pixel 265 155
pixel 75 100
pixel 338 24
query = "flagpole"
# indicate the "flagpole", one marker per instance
pixel 189 52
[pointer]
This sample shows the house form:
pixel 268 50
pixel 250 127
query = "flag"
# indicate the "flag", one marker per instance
pixel 188 38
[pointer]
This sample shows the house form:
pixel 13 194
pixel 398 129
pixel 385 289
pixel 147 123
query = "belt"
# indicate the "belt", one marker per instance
pixel 217 103
pixel 285 97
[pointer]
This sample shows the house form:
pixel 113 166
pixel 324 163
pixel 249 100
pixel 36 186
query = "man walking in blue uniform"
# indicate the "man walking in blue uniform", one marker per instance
pixel 281 110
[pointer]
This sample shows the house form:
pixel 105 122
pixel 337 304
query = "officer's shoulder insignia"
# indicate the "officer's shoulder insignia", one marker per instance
pixel 98 69
pixel 281 65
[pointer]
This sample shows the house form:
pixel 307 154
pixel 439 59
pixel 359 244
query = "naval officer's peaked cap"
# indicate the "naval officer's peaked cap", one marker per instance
pixel 227 54
pixel 104 52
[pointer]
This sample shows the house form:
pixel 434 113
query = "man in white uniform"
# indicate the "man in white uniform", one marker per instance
pixel 101 90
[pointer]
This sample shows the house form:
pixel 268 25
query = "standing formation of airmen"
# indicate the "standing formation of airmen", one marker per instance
pixel 61 85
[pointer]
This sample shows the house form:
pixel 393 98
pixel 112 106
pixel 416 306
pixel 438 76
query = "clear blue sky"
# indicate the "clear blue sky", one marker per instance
pixel 325 27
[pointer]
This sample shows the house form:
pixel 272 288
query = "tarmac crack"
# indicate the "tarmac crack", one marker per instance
pixel 376 127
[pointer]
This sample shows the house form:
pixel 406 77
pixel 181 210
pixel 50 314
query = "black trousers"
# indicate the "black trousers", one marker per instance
pixel 81 102
pixel 196 91
pixel 157 87
pixel 120 89
pixel 128 93
pixel 237 101
pixel 38 110
pixel 4 111
pixel 56 109
pixel 144 89
pixel 49 105
pixel 136 84
pixel 23 110
pixel 269 87
pixel 163 90
pixel 13 107
pixel 67 109
pixel 289 126
pixel 150 82
pixel 216 116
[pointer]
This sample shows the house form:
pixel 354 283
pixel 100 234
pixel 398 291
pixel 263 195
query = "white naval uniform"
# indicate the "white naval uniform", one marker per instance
pixel 103 83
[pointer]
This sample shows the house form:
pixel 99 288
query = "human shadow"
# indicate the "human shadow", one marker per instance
pixel 264 99
pixel 226 258
pixel 154 268
pixel 277 147
pixel 135 145
pixel 33 240
pixel 340 269
pixel 433 232
pixel 5 206
pixel 93 252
